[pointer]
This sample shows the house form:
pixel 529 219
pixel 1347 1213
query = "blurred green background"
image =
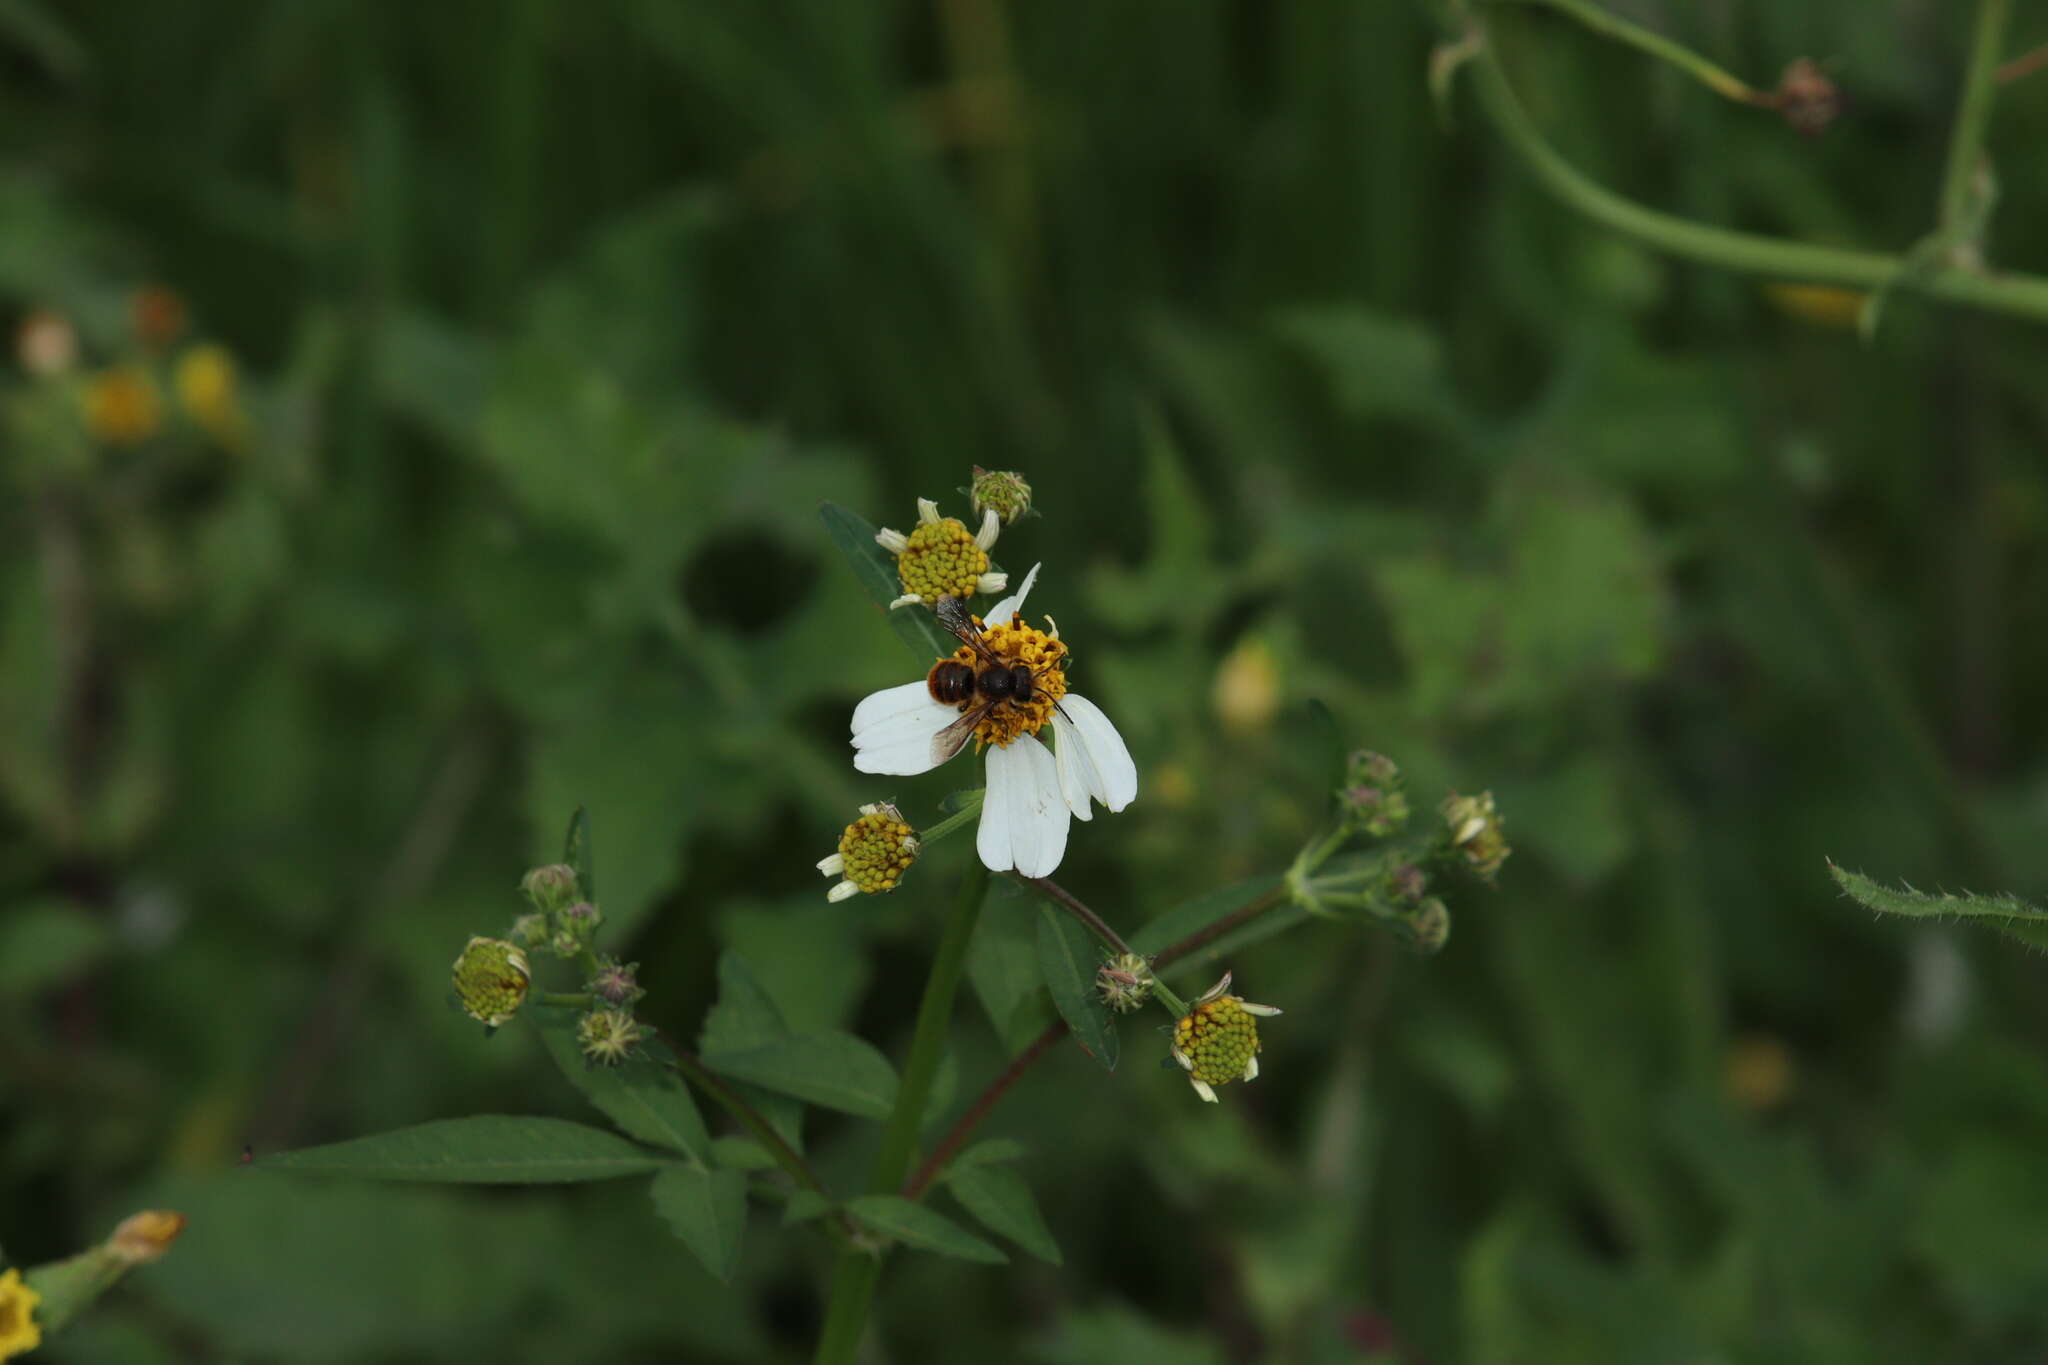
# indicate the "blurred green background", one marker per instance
pixel 553 324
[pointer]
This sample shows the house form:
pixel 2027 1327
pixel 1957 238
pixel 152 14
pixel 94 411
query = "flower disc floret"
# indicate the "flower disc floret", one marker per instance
pixel 1016 643
pixel 491 978
pixel 942 558
pixel 1217 1040
pixel 18 1304
pixel 874 853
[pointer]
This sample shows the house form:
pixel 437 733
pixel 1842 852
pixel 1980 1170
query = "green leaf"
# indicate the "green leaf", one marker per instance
pixel 2027 923
pixel 877 574
pixel 744 1018
pixel 487 1149
pixel 1002 962
pixel 914 1225
pixel 803 1206
pixel 43 942
pixel 836 1070
pixel 707 1210
pixel 1192 916
pixel 577 854
pixel 642 1094
pixel 1067 957
pixel 998 1197
pixel 984 1153
pixel 736 1153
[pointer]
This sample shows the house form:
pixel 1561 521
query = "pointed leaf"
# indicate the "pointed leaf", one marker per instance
pixel 914 1225
pixel 1192 916
pixel 487 1149
pixel 642 1094
pixel 836 1070
pixel 707 1210
pixel 1000 1200
pixel 2015 917
pixel 747 1017
pixel 803 1206
pixel 876 570
pixel 1002 962
pixel 986 1153
pixel 577 854
pixel 1068 958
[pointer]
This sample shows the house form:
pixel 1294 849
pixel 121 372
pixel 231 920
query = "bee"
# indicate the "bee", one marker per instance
pixel 978 687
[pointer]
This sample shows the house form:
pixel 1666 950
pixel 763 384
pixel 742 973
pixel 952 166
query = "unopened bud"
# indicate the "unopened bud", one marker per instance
pixel 551 887
pixel 1474 827
pixel 1002 491
pixel 582 919
pixel 1124 982
pixel 1378 811
pixel 144 1237
pixel 1430 927
pixel 46 344
pixel 530 930
pixel 607 1036
pixel 616 983
pixel 1806 97
pixel 1406 883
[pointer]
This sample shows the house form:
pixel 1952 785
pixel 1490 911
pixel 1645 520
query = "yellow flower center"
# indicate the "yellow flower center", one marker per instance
pixel 18 1330
pixel 941 560
pixel 1016 643
pixel 490 980
pixel 878 849
pixel 1219 1037
pixel 121 406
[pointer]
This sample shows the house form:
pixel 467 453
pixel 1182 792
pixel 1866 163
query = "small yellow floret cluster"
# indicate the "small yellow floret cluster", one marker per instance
pixel 877 849
pixel 18 1331
pixel 1016 643
pixel 491 978
pixel 1220 1037
pixel 941 560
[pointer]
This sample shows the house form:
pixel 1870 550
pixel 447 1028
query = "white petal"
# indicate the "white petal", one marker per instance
pixel 1079 779
pixel 1263 1011
pixel 895 542
pixel 1023 816
pixel 991 524
pixel 833 865
pixel 893 729
pixel 1203 1089
pixel 1106 751
pixel 989 584
pixel 1005 609
pixel 1251 1067
pixel 909 599
pixel 927 511
pixel 841 891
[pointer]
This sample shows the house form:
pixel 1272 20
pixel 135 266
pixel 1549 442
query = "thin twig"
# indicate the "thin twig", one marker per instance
pixel 964 1126
pixel 714 1086
pixel 2024 65
pixel 1073 906
pixel 1236 919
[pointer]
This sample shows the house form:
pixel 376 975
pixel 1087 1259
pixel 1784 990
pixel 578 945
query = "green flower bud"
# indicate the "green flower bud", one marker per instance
pixel 1429 927
pixel 1475 833
pixel 607 1036
pixel 1217 1040
pixel 1124 982
pixel 551 887
pixel 530 930
pixel 1002 491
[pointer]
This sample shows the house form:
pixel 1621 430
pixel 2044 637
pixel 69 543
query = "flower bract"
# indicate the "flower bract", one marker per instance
pixel 1217 1040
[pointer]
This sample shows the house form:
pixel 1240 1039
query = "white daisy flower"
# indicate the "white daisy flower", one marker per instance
pixel 1032 791
pixel 942 558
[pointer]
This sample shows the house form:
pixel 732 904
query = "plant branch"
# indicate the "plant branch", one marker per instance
pixel 963 1127
pixel 2000 292
pixel 1209 933
pixel 1973 116
pixel 1067 901
pixel 1657 45
pixel 2024 65
pixel 734 1103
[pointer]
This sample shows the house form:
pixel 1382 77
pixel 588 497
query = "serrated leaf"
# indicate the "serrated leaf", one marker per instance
pixel 1001 1201
pixel 877 574
pixel 2006 912
pixel 746 1017
pixel 707 1210
pixel 1068 958
pixel 836 1070
pixel 914 1225
pixel 486 1149
pixel 576 852
pixel 643 1094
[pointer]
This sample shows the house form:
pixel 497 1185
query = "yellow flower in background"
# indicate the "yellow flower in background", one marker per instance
pixel 1247 691
pixel 121 406
pixel 144 1237
pixel 205 383
pixel 1821 304
pixel 18 1331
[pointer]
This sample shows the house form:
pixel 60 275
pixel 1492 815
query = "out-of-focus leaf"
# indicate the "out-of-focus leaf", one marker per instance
pixel 1113 1334
pixel 1002 962
pixel 987 1152
pixel 486 1149
pixel 746 1017
pixel 1001 1200
pixel 1377 365
pixel 836 1070
pixel 642 1094
pixel 803 1206
pixel 877 574
pixel 1204 910
pixel 735 1153
pixel 915 1225
pixel 577 853
pixel 2003 911
pixel 806 953
pixel 1068 957
pixel 708 1211
pixel 43 942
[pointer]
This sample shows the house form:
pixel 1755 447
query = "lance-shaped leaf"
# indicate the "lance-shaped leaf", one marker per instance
pixel 746 1017
pixel 876 570
pixel 577 853
pixel 1068 958
pixel 836 1070
pixel 2004 912
pixel 914 1225
pixel 642 1094
pixel 707 1210
pixel 998 1197
pixel 486 1149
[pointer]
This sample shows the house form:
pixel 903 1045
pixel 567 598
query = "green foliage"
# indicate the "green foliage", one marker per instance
pixel 1068 958
pixel 2004 912
pixel 708 1210
pixel 643 1094
pixel 486 1149
pixel 917 1226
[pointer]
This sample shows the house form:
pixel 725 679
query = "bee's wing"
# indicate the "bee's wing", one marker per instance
pixel 954 737
pixel 953 614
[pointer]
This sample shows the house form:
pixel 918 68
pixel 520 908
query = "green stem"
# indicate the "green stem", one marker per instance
pixel 568 1000
pixel 1096 925
pixel 1657 45
pixel 1998 292
pixel 853 1280
pixel 1973 116
pixel 957 820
